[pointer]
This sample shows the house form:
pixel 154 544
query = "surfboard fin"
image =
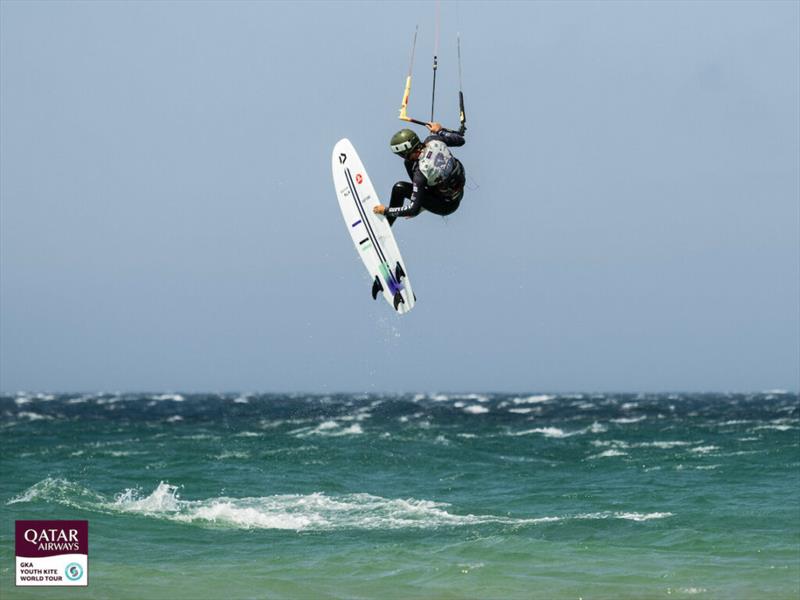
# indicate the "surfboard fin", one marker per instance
pixel 398 300
pixel 398 272
pixel 377 287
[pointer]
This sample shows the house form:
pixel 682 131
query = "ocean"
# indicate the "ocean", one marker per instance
pixel 229 496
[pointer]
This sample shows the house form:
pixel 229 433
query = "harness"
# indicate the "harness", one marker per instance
pixel 443 171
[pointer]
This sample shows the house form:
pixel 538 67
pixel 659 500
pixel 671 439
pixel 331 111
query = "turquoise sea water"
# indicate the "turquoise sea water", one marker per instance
pixel 414 496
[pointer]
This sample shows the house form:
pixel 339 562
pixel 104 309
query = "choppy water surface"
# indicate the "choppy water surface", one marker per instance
pixel 428 495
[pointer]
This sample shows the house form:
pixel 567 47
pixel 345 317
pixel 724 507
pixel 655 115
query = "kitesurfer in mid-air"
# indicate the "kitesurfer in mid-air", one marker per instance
pixel 437 177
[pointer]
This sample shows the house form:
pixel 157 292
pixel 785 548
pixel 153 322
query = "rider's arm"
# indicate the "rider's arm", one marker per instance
pixel 451 138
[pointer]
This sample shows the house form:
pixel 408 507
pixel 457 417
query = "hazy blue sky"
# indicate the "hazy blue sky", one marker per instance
pixel 168 218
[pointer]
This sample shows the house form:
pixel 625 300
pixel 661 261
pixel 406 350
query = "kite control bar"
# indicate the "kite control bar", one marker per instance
pixel 407 92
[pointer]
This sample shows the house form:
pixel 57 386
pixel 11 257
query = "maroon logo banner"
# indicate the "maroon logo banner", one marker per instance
pixel 37 539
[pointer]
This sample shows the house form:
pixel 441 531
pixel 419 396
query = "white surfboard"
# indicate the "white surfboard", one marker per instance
pixel 371 233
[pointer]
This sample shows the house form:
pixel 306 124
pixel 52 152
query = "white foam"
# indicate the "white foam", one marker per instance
pixel 703 449
pixel 614 443
pixel 625 421
pixel 114 400
pixel 79 400
pixel 315 511
pixel 609 453
pixel 556 432
pixel 663 445
pixel 175 419
pixel 533 399
pixel 169 397
pixel 476 409
pixel 354 429
pixel 477 397
pixel 627 516
pixel 643 516
pixel 550 432
pixel 232 454
pixel 521 411
pixel 328 429
pixel 32 416
pixel 301 512
pixel 163 498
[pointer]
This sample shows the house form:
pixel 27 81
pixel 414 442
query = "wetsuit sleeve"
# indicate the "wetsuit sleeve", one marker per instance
pixel 414 202
pixel 451 138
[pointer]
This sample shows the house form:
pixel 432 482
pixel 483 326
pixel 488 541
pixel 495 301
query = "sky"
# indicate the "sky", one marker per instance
pixel 168 220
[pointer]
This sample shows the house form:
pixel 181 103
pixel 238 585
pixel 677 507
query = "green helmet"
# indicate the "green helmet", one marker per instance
pixel 404 142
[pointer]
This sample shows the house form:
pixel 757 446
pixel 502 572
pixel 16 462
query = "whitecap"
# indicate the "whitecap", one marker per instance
pixel 232 454
pixel 609 453
pixel 627 516
pixel 476 409
pixel 536 399
pixel 664 445
pixel 774 427
pixel 329 429
pixel 550 432
pixel 316 511
pixel 703 449
pixel 624 421
pixel 168 397
pixel 643 516
pixel 32 416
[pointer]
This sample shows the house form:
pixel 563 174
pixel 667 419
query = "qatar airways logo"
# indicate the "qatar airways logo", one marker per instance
pixel 52 553
pixel 49 540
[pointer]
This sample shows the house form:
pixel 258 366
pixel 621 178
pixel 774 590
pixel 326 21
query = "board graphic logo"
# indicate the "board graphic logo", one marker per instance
pixel 359 178
pixel 342 158
pixel 52 553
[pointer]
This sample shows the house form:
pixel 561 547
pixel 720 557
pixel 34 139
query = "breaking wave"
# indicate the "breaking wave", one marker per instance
pixel 298 512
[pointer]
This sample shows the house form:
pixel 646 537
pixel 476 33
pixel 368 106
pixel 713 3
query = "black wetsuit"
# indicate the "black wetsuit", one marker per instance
pixel 442 199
